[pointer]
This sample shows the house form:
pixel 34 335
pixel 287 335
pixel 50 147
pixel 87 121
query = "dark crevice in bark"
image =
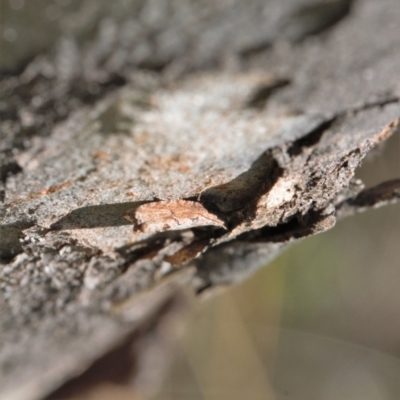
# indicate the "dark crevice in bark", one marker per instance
pixel 255 49
pixel 374 104
pixel 8 169
pixel 311 139
pixel 313 19
pixel 10 243
pixel 259 97
pixel 298 226
pixel 244 190
pixel 18 70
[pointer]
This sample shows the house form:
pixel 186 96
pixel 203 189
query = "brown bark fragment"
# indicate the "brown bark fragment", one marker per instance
pixel 171 215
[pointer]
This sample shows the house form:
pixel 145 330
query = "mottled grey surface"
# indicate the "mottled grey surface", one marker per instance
pixel 260 110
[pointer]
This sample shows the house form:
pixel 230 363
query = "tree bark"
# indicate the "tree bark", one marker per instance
pixel 153 149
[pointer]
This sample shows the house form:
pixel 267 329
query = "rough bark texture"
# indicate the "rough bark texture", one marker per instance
pixel 260 111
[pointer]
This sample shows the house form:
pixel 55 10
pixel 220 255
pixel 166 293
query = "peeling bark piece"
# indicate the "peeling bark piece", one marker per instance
pixel 377 196
pixel 171 215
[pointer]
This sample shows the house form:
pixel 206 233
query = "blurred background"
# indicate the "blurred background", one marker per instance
pixel 321 322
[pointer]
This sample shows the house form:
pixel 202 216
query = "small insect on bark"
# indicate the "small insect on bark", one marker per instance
pixel 171 215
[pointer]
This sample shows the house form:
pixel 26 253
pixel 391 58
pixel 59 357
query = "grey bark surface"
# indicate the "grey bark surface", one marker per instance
pixel 260 111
